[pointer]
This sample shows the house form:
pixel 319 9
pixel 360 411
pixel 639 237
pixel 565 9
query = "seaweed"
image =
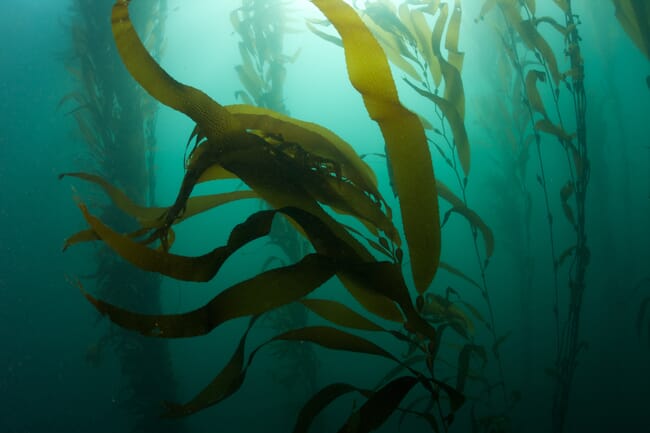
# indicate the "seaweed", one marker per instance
pixel 298 169
pixel 522 24
pixel 634 17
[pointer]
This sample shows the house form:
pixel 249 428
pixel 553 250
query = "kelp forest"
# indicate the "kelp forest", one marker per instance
pixel 386 215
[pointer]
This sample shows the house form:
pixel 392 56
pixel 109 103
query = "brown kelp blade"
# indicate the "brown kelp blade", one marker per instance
pixel 151 217
pixel 456 123
pixel 340 314
pixel 226 383
pixel 318 402
pixel 213 119
pixel 406 144
pixel 634 16
pixel 265 291
pixel 314 139
pixel 380 406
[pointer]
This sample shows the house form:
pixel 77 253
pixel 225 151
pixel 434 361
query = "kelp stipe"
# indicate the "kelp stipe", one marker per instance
pixel 297 167
pixel 521 20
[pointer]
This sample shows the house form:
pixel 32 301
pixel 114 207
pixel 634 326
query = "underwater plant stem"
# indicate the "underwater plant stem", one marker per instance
pixel 482 264
pixel 566 359
pixel 519 68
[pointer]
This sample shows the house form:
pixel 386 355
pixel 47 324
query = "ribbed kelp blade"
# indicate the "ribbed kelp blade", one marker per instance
pixel 406 143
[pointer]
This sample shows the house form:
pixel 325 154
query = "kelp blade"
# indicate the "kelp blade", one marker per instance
pixel 403 133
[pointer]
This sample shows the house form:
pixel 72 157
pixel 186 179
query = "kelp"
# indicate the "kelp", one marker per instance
pixel 520 21
pixel 297 168
pixel 634 17
pixel 404 137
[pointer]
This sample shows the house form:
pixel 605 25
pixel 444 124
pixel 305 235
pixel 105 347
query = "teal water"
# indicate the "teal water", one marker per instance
pixel 48 382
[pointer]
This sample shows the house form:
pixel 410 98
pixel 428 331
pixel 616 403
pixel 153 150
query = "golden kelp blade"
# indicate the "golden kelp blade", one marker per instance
pixel 314 138
pixel 213 118
pixel 406 143
pixel 151 217
pixel 634 16
pixel 226 383
pixel 456 124
pixel 263 292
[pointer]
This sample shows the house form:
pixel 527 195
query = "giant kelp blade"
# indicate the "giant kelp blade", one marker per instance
pixel 340 314
pixel 477 222
pixel 531 90
pixel 314 138
pixel 380 406
pixel 201 268
pixel 150 217
pixel 335 339
pixel 212 118
pixel 406 143
pixel 265 291
pixel 455 122
pixel 318 402
pixel 87 235
pixel 226 383
pixel 398 369
pixel 453 270
pixel 325 36
pixel 634 16
pixel 386 279
pixel 535 41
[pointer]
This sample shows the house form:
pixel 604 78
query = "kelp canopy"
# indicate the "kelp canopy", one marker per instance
pixel 299 169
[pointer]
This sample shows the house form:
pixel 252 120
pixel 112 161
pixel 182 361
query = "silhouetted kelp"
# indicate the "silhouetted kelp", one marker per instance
pixel 296 167
pixel 634 16
pixel 115 122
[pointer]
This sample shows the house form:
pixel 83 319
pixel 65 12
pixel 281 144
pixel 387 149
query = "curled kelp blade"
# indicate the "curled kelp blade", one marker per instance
pixel 232 376
pixel 314 139
pixel 318 402
pixel 151 217
pixel 471 216
pixel 380 406
pixel 265 291
pixel 213 119
pixel 406 144
pixel 476 222
pixel 226 383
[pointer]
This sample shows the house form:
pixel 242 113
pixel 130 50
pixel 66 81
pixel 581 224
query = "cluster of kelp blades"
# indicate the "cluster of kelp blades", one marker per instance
pixel 296 167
